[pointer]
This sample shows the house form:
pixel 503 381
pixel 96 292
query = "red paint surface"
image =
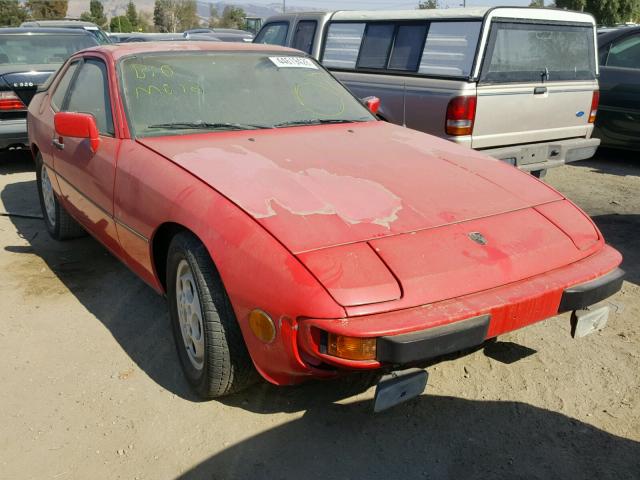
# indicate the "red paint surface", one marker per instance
pixel 361 227
pixel 353 274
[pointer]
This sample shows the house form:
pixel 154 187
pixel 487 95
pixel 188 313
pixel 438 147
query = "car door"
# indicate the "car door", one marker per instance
pixel 618 120
pixel 86 178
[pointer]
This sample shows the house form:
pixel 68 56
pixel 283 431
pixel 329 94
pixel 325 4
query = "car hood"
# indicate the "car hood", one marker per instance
pixel 321 186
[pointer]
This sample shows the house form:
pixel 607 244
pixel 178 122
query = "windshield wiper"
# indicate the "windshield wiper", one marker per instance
pixel 317 121
pixel 207 126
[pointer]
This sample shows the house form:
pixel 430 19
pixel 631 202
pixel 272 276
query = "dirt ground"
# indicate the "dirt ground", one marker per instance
pixel 90 385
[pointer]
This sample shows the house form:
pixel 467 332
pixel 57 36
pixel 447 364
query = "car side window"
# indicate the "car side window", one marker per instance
pixel 303 37
pixel 57 99
pixel 407 47
pixel 450 48
pixel 376 44
pixel 625 53
pixel 342 45
pixel 90 94
pixel 273 34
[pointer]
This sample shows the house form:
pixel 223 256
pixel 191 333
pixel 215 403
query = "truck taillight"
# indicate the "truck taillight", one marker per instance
pixel 595 100
pixel 10 101
pixel 461 113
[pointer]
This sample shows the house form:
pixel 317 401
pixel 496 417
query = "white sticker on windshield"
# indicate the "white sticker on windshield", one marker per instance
pixel 293 62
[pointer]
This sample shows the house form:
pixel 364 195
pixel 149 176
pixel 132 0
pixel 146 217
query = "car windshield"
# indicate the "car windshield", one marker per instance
pixel 171 93
pixel 41 48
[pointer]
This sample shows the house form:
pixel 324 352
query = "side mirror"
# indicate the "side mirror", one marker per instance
pixel 78 125
pixel 372 103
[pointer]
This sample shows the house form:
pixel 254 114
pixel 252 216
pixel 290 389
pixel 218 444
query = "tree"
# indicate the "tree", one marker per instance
pixel 120 24
pixel 145 21
pixel 186 13
pixel 429 4
pixel 160 14
pixel 233 17
pixel 175 15
pixel 537 4
pixel 12 14
pixel 213 16
pixel 95 14
pixel 47 9
pixel 607 12
pixel 132 15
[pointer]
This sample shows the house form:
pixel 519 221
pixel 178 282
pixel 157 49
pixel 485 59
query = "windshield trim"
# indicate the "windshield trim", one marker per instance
pixel 276 51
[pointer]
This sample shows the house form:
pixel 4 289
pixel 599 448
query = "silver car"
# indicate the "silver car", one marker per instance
pixel 518 83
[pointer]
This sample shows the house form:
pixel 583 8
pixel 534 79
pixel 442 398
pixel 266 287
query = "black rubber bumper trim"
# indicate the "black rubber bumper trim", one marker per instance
pixel 426 344
pixel 581 296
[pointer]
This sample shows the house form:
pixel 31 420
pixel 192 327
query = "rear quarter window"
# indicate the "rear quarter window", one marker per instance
pixel 342 45
pixel 525 52
pixel 450 48
pixel 443 48
pixel 273 34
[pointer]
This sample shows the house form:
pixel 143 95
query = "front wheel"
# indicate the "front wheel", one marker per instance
pixel 59 223
pixel 210 345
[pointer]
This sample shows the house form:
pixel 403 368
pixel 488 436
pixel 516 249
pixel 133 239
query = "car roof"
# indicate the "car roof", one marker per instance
pixel 475 13
pixel 125 49
pixel 609 36
pixel 42 31
pixel 523 13
pixel 59 23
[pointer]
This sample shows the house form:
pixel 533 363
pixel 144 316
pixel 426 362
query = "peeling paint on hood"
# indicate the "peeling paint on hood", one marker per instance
pixel 319 186
pixel 311 191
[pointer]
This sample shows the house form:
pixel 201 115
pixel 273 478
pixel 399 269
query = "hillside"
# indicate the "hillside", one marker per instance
pixel 117 7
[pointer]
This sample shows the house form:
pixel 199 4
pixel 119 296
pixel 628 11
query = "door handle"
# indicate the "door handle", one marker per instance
pixel 58 144
pixel 539 90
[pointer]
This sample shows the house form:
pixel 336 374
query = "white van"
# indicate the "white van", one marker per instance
pixel 518 83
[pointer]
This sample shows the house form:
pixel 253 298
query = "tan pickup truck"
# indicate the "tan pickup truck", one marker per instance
pixel 519 84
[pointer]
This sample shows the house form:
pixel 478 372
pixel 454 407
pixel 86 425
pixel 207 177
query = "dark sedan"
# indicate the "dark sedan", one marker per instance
pixel 28 57
pixel 618 121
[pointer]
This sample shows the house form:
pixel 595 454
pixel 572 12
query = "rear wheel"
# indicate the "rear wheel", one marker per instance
pixel 59 223
pixel 210 345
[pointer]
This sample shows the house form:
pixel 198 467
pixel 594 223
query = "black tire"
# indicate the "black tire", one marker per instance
pixel 539 173
pixel 226 365
pixel 62 226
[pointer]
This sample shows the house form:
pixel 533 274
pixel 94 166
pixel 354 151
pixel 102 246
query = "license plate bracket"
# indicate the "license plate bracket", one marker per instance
pixel 585 322
pixel 398 387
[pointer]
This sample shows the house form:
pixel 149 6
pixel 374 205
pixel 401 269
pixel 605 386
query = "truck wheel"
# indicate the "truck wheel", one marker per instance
pixel 59 223
pixel 210 345
pixel 539 173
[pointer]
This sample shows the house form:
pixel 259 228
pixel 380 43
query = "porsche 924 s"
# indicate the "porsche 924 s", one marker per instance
pixel 291 231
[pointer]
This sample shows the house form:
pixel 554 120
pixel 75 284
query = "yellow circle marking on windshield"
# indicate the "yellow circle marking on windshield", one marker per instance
pixel 300 98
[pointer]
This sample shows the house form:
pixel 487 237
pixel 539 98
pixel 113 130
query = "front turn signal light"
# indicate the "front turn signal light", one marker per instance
pixel 351 348
pixel 262 326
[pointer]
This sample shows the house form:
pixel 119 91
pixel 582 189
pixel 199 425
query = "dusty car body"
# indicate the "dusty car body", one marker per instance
pixel 329 245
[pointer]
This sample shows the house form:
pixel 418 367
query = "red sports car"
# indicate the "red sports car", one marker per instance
pixel 289 229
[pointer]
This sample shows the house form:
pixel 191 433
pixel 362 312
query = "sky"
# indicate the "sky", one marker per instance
pixel 388 4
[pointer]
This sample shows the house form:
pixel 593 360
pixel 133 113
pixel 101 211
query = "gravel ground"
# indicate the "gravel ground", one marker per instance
pixel 91 386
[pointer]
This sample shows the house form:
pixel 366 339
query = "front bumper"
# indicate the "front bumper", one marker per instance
pixel 428 331
pixel 541 156
pixel 13 133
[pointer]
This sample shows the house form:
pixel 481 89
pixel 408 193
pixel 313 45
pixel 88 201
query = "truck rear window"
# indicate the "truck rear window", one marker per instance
pixel 41 48
pixel 525 52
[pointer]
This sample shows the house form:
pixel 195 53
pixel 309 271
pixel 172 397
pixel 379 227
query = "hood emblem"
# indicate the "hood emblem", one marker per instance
pixel 478 238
